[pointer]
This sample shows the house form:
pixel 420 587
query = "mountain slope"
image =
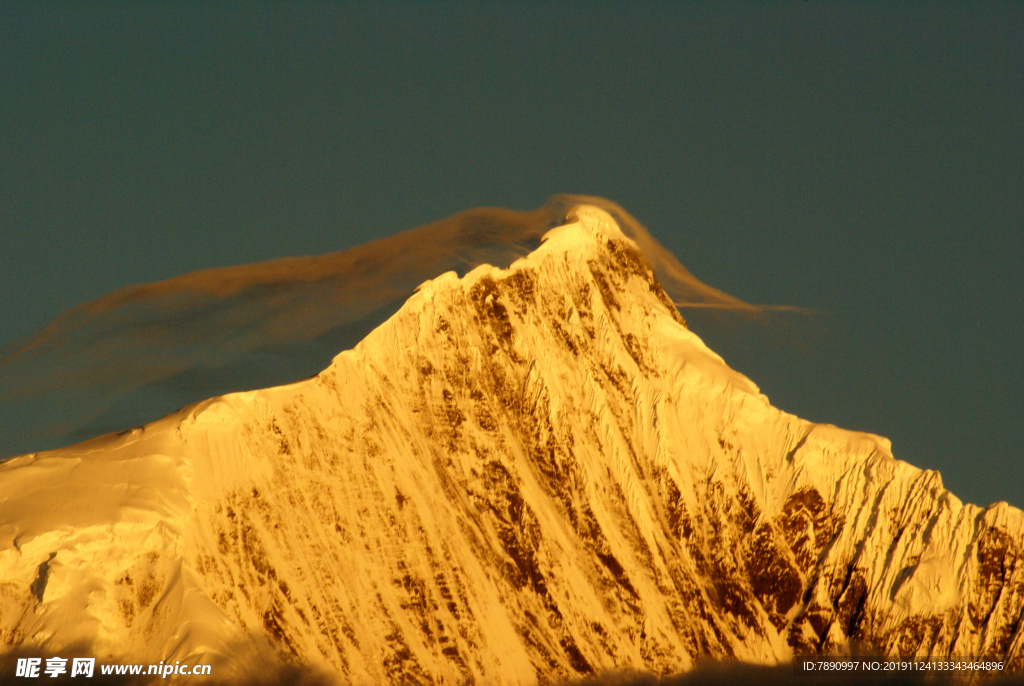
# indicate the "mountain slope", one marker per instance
pixel 525 474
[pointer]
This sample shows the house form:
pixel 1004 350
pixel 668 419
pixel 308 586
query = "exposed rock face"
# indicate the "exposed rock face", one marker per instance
pixel 524 475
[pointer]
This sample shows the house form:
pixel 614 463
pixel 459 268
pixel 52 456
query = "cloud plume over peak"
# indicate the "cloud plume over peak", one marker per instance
pixel 148 349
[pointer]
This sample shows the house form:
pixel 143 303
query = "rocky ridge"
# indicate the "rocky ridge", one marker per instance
pixel 524 475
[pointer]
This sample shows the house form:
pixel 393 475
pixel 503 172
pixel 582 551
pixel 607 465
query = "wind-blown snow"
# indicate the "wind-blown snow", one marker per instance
pixel 525 474
pixel 149 349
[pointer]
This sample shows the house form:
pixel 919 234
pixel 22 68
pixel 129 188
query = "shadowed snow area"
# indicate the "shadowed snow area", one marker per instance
pixel 146 350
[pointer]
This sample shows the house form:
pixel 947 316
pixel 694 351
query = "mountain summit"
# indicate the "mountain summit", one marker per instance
pixel 523 475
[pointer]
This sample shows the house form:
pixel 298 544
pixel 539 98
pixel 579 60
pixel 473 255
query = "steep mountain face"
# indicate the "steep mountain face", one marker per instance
pixel 524 475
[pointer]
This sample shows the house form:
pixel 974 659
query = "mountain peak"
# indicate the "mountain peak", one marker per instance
pixel 591 220
pixel 526 474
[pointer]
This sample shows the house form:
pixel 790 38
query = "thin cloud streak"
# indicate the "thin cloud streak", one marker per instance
pixel 745 307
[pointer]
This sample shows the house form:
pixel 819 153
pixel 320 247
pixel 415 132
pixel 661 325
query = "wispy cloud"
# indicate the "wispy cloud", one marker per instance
pixel 148 349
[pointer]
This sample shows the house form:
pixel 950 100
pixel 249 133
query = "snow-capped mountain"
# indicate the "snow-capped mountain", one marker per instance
pixel 523 475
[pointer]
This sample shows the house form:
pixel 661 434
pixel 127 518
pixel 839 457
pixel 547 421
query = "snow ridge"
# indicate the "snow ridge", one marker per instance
pixel 524 475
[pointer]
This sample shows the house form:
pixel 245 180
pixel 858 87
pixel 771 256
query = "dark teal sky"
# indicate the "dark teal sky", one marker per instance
pixel 865 160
